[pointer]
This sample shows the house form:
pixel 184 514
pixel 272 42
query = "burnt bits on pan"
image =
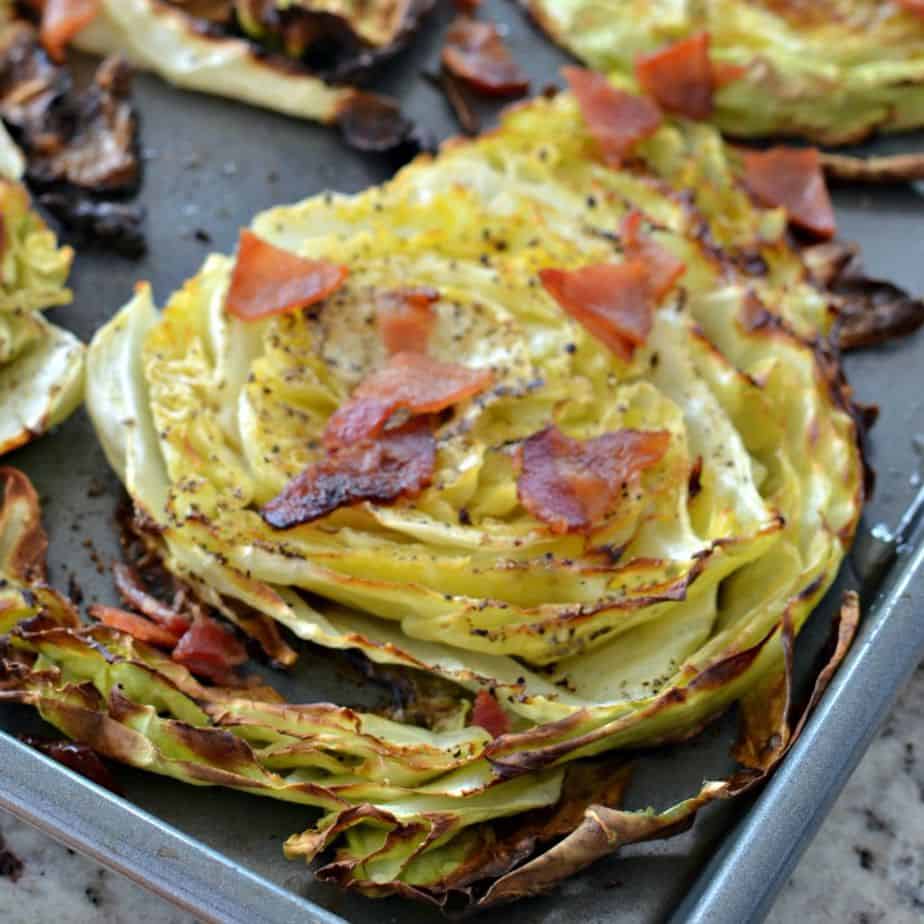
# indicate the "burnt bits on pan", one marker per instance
pixel 81 146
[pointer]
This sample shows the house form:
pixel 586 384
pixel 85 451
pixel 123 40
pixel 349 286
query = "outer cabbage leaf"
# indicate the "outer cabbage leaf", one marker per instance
pixel 41 365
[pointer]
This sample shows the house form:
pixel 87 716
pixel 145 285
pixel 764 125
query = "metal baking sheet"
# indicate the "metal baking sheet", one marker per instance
pixel 212 164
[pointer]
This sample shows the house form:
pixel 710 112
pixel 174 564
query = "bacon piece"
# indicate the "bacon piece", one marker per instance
pixel 793 179
pixel 207 650
pixel 136 626
pixel 616 120
pixel 612 300
pixel 399 463
pixel 488 714
pixel 405 318
pixel 77 757
pixel 268 280
pixel 913 6
pixel 724 73
pixel 476 53
pixel 664 269
pixel 410 382
pixel 131 589
pixel 679 77
pixel 570 485
pixel 62 20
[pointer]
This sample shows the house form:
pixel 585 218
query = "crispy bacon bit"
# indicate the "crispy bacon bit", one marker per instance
pixel 62 20
pixel 268 280
pixel 131 589
pixel 409 382
pixel 612 300
pixel 136 626
pixel 792 178
pixel 399 463
pixel 405 318
pixel 913 6
pixel 571 485
pixel 476 53
pixel 679 77
pixel 616 120
pixel 724 73
pixel 488 714
pixel 664 269
pixel 207 650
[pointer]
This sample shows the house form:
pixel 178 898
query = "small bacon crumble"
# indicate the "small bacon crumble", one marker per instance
pixel 612 300
pixel 616 120
pixel 130 586
pixel 207 650
pixel 913 6
pixel 62 20
pixel 616 301
pixel 411 382
pixel 268 280
pixel 399 463
pixel 134 625
pixel 476 53
pixel 201 644
pixel 488 714
pixel 664 269
pixel 405 318
pixel 571 485
pixel 680 77
pixel 77 757
pixel 792 179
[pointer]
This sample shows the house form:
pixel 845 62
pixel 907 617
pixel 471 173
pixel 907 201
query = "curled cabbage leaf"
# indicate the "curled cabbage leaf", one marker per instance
pixel 41 365
pixel 832 71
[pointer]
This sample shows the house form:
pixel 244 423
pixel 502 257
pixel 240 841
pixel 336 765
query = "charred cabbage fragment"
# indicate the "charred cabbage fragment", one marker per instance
pixel 80 147
pixel 832 71
pixel 41 365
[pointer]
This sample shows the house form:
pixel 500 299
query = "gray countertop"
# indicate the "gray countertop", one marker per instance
pixel 866 865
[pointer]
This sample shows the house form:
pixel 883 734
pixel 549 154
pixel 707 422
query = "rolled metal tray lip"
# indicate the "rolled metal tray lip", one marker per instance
pixel 124 838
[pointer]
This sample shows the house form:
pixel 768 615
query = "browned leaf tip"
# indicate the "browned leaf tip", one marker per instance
pixel 872 311
pixel 766 737
pixel 23 543
pixel 895 168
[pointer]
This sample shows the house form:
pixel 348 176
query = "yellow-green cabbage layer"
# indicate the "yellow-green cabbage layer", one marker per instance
pixel 205 417
pixel 41 365
pixel 829 70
